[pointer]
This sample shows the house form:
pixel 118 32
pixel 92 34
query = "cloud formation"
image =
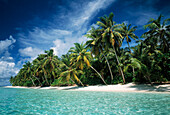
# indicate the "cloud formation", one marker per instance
pixel 73 29
pixel 7 68
pixel 7 63
pixel 30 52
pixel 5 44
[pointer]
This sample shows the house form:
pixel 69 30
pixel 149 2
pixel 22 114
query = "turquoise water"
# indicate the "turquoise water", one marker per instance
pixel 38 101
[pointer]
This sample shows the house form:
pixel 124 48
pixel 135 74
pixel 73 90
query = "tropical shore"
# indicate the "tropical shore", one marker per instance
pixel 110 88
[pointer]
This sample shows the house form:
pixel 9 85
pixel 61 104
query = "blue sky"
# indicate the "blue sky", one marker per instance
pixel 28 27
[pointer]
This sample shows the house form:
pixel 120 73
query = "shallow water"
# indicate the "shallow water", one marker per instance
pixel 38 101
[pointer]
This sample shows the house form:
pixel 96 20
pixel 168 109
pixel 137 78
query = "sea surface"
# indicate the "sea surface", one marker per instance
pixel 41 101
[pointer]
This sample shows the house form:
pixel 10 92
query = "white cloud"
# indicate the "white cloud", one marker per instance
pixel 74 26
pixel 7 64
pixel 42 38
pixel 4 44
pixel 30 52
pixel 7 69
pixel 4 82
pixel 89 11
pixel 145 17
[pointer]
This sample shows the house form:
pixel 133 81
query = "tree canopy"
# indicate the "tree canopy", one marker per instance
pixel 102 60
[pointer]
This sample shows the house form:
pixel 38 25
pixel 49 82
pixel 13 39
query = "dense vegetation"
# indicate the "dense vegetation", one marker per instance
pixel 102 60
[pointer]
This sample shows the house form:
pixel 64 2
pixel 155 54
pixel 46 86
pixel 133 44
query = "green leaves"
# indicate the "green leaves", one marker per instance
pixel 101 24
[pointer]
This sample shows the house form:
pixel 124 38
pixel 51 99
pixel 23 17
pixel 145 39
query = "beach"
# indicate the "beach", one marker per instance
pixel 130 87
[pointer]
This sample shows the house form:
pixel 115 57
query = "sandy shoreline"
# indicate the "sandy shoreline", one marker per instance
pixel 110 88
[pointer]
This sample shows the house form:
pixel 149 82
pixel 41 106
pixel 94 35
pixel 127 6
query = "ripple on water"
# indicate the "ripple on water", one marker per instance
pixel 37 101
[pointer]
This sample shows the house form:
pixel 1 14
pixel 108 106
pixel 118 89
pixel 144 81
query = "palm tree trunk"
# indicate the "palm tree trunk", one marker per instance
pixel 32 81
pixel 46 78
pixel 81 83
pixel 149 79
pixel 72 81
pixel 119 67
pixel 38 80
pixel 99 75
pixel 133 69
pixel 108 65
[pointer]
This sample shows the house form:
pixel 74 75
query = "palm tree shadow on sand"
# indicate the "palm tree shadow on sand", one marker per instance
pixel 149 88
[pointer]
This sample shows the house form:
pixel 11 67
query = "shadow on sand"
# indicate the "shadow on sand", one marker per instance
pixel 149 88
pixel 75 87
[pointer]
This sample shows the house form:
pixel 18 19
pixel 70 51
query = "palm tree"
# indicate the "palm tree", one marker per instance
pixel 70 72
pixel 141 67
pixel 27 71
pixel 96 46
pixel 80 56
pixel 127 32
pixel 159 32
pixel 141 55
pixel 110 36
pixel 47 65
pixel 36 63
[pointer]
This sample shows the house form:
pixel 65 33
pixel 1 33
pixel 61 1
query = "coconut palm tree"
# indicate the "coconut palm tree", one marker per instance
pixel 141 67
pixel 96 46
pixel 80 56
pixel 111 37
pixel 127 32
pixel 70 72
pixel 47 65
pixel 158 31
pixel 36 63
pixel 28 73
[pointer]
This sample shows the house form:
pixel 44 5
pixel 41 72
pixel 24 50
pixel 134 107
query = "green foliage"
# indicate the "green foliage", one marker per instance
pixel 101 59
pixel 28 84
pixel 58 82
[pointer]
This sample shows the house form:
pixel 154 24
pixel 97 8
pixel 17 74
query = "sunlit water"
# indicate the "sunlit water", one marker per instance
pixel 38 101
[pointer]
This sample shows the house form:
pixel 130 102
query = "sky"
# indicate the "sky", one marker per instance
pixel 28 27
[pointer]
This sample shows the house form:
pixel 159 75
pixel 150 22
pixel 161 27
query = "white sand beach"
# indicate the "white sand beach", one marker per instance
pixel 110 88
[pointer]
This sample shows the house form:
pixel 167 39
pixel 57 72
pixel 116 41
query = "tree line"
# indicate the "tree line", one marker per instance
pixel 102 60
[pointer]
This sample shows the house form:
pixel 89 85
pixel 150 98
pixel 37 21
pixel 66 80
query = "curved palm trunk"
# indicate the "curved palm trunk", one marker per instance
pixel 149 80
pixel 81 83
pixel 38 80
pixel 109 68
pixel 119 67
pixel 72 81
pixel 108 65
pixel 32 81
pixel 46 78
pixel 99 75
pixel 133 69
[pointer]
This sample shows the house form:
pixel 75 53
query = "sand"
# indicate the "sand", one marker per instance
pixel 110 88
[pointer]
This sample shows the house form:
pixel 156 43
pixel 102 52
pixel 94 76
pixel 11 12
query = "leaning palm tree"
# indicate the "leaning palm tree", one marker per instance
pixel 127 32
pixel 111 38
pixel 96 46
pixel 70 72
pixel 36 63
pixel 159 32
pixel 142 68
pixel 47 66
pixel 28 73
pixel 80 56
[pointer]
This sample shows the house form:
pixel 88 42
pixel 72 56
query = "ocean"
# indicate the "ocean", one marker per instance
pixel 51 102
